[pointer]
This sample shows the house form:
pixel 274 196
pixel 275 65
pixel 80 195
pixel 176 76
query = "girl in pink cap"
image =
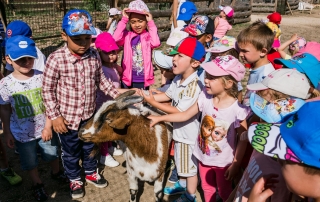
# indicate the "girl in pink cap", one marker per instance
pixel 138 44
pixel 223 22
pixel 219 147
pixel 108 50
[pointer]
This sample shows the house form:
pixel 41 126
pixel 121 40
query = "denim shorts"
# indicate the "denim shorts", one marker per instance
pixel 28 151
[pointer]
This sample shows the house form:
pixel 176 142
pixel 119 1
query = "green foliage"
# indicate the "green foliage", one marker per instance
pixel 96 5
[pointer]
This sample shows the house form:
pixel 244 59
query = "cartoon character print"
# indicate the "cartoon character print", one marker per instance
pixel 285 105
pixel 137 59
pixel 207 127
pixel 80 22
pixel 198 26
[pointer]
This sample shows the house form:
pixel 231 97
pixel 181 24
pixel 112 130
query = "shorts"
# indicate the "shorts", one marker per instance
pixel 28 152
pixel 186 163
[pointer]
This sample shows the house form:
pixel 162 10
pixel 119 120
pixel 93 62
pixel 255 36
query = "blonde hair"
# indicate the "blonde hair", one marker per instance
pixel 233 91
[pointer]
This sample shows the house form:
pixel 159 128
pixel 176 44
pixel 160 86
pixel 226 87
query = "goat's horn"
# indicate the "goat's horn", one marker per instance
pixel 124 102
pixel 125 94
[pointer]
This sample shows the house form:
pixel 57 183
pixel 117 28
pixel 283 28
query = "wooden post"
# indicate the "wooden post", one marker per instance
pixel 289 7
pixel 275 3
pixel 281 6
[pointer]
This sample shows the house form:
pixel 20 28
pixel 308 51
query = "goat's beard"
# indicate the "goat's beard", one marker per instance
pixel 95 150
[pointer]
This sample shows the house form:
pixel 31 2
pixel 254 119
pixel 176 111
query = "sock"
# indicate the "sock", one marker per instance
pixel 4 169
pixel 183 183
pixel 190 196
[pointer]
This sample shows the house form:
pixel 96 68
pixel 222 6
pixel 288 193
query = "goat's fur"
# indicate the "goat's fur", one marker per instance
pixel 147 148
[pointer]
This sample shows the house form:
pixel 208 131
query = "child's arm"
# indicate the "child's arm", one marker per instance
pixel 176 117
pixel 109 23
pixel 233 170
pixel 47 130
pixel 174 13
pixel 286 44
pixel 120 33
pixel 5 115
pixel 216 22
pixel 153 31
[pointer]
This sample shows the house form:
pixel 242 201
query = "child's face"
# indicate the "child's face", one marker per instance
pixel 299 182
pixel 77 44
pixel 249 54
pixel 109 57
pixel 23 65
pixel 218 134
pixel 222 14
pixel 213 84
pixel 204 39
pixel 138 22
pixel 181 64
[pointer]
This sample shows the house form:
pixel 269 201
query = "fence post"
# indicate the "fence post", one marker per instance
pixel 64 5
pixel 281 6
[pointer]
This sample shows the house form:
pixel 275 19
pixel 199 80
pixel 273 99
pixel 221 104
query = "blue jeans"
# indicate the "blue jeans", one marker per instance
pixel 28 152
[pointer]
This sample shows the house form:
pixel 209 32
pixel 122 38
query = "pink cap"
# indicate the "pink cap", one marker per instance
pixel 106 43
pixel 114 11
pixel 227 10
pixel 225 65
pixel 138 6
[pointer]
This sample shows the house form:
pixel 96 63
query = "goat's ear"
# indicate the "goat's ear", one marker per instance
pixel 120 123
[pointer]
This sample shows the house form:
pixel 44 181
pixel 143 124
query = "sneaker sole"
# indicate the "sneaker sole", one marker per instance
pixel 172 181
pixel 182 192
pixel 97 185
pixel 75 196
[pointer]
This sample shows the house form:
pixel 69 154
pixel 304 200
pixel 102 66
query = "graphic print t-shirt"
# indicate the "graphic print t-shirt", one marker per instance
pixel 219 153
pixel 27 119
pixel 137 60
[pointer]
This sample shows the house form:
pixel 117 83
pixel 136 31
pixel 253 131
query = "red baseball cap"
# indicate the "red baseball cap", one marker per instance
pixel 275 18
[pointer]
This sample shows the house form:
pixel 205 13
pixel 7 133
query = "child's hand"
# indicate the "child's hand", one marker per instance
pixel 148 98
pixel 46 134
pixel 154 120
pixel 9 139
pixel 59 125
pixel 232 171
pixel 294 37
pixel 148 16
pixel 124 12
pixel 263 189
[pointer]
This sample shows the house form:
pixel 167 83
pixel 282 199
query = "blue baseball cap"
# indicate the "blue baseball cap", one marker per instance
pixel 191 47
pixel 187 9
pixel 77 22
pixel 15 28
pixel 20 46
pixel 297 139
pixel 305 63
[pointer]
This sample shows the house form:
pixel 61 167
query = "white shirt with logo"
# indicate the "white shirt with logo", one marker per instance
pixel 28 118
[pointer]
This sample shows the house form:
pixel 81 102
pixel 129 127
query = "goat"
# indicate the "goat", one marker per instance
pixel 147 148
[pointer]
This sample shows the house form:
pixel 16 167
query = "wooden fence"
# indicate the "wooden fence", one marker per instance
pixel 272 6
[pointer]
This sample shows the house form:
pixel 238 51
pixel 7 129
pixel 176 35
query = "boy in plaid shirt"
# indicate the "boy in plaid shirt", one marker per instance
pixel 70 80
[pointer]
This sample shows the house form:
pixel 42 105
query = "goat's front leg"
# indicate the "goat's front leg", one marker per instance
pixel 133 184
pixel 158 188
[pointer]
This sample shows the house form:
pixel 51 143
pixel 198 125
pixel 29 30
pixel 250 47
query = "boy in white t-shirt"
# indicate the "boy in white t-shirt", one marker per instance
pixel 22 113
pixel 254 43
pixel 184 92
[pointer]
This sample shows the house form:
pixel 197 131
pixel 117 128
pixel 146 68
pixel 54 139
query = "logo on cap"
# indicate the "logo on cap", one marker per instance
pixel 23 44
pixel 183 10
pixel 9 32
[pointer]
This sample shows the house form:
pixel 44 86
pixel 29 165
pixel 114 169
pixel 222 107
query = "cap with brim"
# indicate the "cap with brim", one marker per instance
pixel 305 63
pixel 222 45
pixel 105 42
pixel 187 10
pixel 176 36
pixel 78 22
pixel 137 6
pixel 114 11
pixel 18 47
pixel 297 139
pixel 287 81
pixel 162 60
pixel 274 112
pixel 191 47
pixel 17 27
pixel 199 25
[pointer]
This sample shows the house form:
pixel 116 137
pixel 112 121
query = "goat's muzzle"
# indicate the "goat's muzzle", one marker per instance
pixel 86 137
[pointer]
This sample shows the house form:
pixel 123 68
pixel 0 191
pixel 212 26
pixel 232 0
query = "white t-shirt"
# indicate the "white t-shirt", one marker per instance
pixel 256 76
pixel 113 27
pixel 259 166
pixel 183 97
pixel 180 23
pixel 28 118
pixel 39 63
pixel 226 121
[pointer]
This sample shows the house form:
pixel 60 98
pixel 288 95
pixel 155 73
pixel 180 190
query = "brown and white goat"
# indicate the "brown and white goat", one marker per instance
pixel 147 148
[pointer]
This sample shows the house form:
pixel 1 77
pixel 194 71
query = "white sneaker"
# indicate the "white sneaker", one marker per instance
pixel 117 152
pixel 109 161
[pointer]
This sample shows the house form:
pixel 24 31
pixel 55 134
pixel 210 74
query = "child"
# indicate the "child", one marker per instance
pixel 108 48
pixel 184 91
pixel 298 155
pixel 138 44
pixel 295 44
pixel 164 62
pixel 254 43
pixel 223 22
pixel 22 113
pixel 274 25
pixel 18 27
pixel 219 163
pixel 226 46
pixel 71 77
pixel 186 12
pixel 277 96
pixel 114 18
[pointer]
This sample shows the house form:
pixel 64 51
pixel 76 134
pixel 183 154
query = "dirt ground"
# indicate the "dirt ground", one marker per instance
pixel 304 24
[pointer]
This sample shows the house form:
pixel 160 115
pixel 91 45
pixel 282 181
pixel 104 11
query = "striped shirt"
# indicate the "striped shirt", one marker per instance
pixel 70 84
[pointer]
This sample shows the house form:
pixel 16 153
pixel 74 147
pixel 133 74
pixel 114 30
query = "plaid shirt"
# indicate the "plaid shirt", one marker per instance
pixel 70 83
